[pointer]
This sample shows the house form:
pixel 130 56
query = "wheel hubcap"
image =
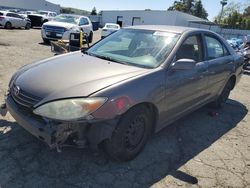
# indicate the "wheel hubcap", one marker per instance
pixel 135 132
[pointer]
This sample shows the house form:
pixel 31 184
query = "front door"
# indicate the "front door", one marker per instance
pixel 186 89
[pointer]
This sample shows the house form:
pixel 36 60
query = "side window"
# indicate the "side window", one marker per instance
pixel 18 16
pixel 215 48
pixel 10 15
pixel 84 21
pixel 191 49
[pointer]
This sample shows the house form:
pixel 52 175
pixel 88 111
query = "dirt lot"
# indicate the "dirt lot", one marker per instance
pixel 196 151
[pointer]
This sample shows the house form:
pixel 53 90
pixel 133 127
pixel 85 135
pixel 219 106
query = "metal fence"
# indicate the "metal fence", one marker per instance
pixel 226 33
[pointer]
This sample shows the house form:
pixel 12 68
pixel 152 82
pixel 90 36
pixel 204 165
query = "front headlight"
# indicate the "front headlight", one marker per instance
pixel 70 109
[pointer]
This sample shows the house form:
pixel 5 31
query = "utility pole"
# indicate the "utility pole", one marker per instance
pixel 223 3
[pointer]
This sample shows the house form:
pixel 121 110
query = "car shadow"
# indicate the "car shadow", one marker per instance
pixel 27 162
pixel 246 72
pixel 44 44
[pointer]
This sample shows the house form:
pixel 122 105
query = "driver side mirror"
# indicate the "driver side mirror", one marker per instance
pixel 184 64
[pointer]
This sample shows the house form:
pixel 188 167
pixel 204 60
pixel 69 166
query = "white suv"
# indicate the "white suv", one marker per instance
pixel 12 20
pixel 62 25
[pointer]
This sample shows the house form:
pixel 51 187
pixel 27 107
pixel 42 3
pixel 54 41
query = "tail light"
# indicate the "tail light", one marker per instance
pixel 1 18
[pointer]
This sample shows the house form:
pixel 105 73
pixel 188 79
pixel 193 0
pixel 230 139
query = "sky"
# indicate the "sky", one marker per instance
pixel 213 7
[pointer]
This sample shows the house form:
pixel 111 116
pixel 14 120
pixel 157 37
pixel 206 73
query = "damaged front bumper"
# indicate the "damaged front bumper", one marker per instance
pixel 59 134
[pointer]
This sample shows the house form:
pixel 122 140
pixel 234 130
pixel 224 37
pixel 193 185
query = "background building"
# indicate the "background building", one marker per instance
pixel 150 17
pixel 163 17
pixel 30 5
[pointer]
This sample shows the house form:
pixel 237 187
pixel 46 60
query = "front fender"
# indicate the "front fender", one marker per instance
pixel 146 88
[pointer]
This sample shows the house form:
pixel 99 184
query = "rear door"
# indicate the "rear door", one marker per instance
pixel 13 19
pixel 220 63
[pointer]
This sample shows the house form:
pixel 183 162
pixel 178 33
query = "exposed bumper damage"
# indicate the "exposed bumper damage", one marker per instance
pixel 59 134
pixel 3 110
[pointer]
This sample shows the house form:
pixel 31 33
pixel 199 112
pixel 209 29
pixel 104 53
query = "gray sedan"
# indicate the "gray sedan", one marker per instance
pixel 123 89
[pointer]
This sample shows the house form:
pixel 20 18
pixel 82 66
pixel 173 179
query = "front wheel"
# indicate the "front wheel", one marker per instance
pixel 223 96
pixel 130 135
pixel 46 41
pixel 90 38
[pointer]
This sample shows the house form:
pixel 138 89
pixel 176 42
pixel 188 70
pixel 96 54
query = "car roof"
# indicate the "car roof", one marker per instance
pixel 74 15
pixel 167 28
pixel 6 12
pixel 45 11
pixel 111 24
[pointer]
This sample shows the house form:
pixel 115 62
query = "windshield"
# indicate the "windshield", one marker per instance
pixel 43 13
pixel 142 48
pixel 112 26
pixel 67 19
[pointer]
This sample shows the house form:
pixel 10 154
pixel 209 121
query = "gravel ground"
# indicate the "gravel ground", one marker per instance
pixel 196 151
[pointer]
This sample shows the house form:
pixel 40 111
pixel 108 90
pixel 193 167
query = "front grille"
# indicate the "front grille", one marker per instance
pixel 52 31
pixel 24 98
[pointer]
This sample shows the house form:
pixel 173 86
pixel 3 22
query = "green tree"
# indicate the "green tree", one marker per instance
pixel 189 4
pixel 191 7
pixel 93 12
pixel 199 10
pixel 178 5
pixel 247 12
pixel 248 24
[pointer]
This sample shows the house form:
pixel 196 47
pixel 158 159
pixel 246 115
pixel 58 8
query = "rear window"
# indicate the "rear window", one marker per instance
pixel 1 14
pixel 215 48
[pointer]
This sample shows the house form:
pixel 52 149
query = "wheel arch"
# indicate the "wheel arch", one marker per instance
pixel 232 79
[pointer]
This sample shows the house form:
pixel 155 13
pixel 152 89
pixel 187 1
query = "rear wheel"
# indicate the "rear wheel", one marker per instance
pixel 8 25
pixel 28 26
pixel 130 135
pixel 223 96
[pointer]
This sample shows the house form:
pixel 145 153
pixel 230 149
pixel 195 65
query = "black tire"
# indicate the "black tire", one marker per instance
pixel 131 134
pixel 223 96
pixel 90 38
pixel 28 26
pixel 8 25
pixel 46 41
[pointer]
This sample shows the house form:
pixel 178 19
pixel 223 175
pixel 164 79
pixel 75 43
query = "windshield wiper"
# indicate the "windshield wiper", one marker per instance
pixel 106 58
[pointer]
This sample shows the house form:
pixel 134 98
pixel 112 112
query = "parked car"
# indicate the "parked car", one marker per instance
pixel 41 17
pixel 124 88
pixel 60 27
pixel 109 28
pixel 12 20
pixel 235 42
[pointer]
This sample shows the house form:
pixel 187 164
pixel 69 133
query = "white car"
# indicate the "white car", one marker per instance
pixel 109 28
pixel 62 25
pixel 12 20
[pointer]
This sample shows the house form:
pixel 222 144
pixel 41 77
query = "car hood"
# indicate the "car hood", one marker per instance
pixel 72 75
pixel 60 24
